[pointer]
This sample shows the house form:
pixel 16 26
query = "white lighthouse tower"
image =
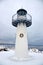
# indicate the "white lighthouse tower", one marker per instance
pixel 21 20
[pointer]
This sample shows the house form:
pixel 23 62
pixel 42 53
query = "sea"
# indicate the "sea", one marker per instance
pixel 39 47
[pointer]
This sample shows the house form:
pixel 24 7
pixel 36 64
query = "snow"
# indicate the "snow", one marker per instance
pixel 36 58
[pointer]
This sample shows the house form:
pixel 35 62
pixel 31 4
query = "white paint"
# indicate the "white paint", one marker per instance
pixel 21 47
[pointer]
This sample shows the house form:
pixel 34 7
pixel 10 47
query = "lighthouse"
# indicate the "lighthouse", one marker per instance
pixel 21 20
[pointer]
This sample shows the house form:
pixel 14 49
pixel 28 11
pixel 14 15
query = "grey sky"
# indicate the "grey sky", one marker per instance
pixel 33 7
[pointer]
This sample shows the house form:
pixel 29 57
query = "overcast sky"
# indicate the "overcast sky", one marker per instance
pixel 33 7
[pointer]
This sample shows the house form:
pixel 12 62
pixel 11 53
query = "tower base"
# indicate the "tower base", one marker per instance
pixel 21 59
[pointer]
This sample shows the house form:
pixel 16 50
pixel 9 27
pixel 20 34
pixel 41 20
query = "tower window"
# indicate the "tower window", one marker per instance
pixel 21 35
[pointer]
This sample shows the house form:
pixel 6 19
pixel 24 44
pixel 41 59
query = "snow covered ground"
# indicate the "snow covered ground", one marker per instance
pixel 36 58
